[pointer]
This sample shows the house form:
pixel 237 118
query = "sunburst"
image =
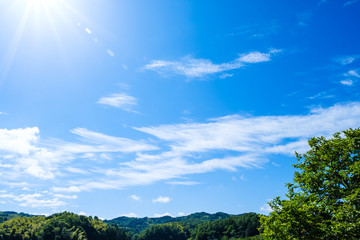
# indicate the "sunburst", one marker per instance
pixel 48 14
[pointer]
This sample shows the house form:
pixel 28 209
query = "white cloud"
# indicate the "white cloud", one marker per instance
pixel 135 197
pixel 19 141
pixel 70 189
pixel 254 134
pixel 65 196
pixel 76 170
pixel 322 95
pixel 176 152
pixel 197 68
pixel 120 100
pixel 226 75
pixel 185 183
pixel 266 208
pixel 250 139
pixel 254 57
pixel 157 215
pixel 25 154
pixel 82 213
pixel 347 82
pixel 105 143
pixel 161 199
pixel 34 201
pixel 353 73
pixel 345 60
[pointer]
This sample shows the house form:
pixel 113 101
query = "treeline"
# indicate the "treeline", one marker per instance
pixel 8 215
pixel 202 226
pixel 61 226
pixel 137 225
pixel 70 226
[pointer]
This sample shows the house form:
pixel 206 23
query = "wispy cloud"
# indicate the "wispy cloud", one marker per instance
pixel 265 208
pixel 345 60
pixel 172 154
pixel 185 183
pixel 352 78
pixel 198 68
pixel 347 82
pixel 350 2
pixel 161 199
pixel 65 196
pixel 256 30
pixel 35 200
pixel 120 100
pixel 250 139
pixel 135 197
pixel 322 95
pixel 105 143
pixel 226 75
pixel 353 73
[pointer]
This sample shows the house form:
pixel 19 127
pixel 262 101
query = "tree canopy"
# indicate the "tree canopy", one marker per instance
pixel 61 226
pixel 323 202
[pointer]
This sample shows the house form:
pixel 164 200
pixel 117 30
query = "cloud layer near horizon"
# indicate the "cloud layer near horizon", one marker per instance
pixel 172 152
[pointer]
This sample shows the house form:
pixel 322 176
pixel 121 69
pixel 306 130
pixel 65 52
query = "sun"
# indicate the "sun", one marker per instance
pixel 36 17
pixel 39 5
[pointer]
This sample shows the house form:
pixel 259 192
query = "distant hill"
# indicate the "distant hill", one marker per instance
pixel 197 226
pixel 138 225
pixel 8 215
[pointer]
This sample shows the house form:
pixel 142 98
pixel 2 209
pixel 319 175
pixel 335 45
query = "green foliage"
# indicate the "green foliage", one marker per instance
pixel 195 227
pixel 235 227
pixel 324 200
pixel 137 225
pixel 62 226
pixel 173 231
pixel 21 228
pixel 5 216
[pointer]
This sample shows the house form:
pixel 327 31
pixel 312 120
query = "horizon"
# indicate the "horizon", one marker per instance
pixel 139 108
pixel 103 219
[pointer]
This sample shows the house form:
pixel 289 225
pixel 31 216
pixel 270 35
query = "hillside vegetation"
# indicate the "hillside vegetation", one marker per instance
pixel 59 226
pixel 63 226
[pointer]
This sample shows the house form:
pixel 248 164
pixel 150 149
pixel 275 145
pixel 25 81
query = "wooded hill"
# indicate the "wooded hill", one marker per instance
pixel 137 225
pixel 198 226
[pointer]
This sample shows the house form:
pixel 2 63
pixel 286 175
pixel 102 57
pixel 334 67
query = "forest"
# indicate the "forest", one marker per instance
pixel 198 226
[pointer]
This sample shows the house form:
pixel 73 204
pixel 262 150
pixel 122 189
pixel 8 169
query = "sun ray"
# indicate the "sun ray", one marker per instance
pixel 57 38
pixel 13 48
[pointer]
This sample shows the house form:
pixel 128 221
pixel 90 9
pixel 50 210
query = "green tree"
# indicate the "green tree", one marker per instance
pixel 323 202
pixel 166 231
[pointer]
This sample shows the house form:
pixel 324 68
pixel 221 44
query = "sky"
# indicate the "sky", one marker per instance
pixel 151 108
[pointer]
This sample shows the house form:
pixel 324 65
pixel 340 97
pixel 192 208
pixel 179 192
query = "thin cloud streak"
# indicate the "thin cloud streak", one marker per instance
pixel 162 199
pixel 198 68
pixel 120 100
pixel 345 60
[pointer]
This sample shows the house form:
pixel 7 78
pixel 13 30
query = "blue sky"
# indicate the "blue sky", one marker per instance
pixel 151 108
